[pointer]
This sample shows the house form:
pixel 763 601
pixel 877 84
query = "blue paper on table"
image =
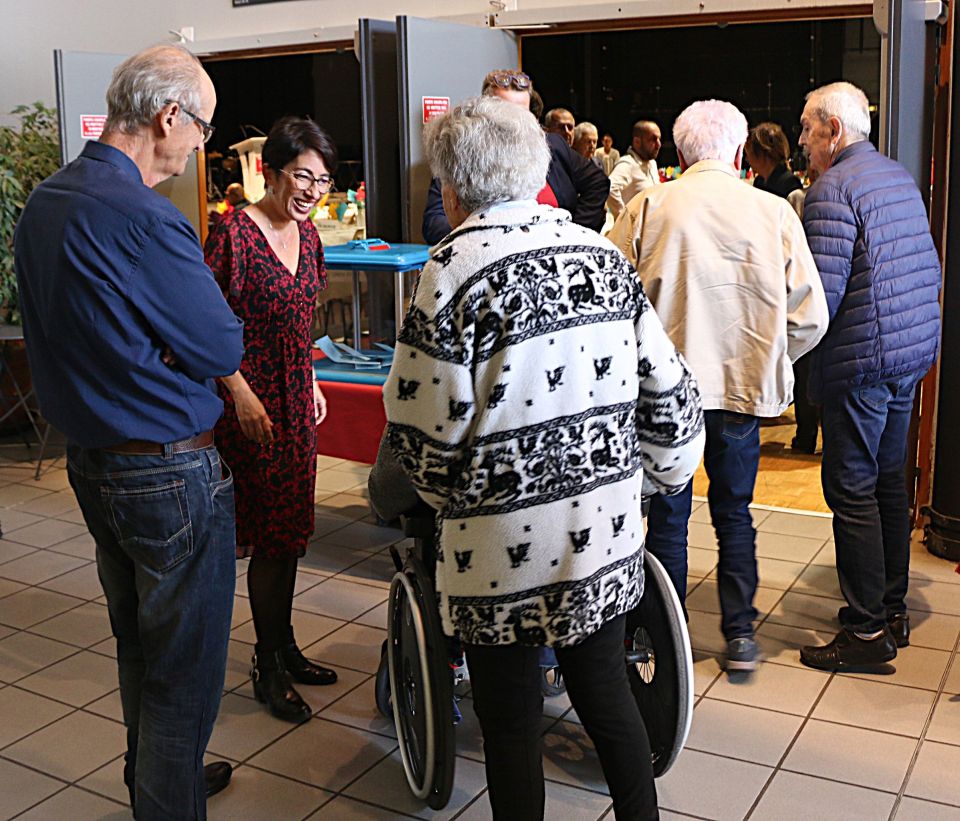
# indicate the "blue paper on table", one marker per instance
pixel 345 355
pixel 359 256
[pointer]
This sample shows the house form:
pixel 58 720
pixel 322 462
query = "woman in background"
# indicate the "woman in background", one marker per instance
pixel 269 262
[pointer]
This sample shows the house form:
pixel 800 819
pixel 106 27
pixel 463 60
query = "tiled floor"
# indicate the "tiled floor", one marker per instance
pixel 791 744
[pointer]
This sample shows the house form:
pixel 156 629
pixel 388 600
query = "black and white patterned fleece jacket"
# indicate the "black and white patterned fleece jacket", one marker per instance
pixel 532 389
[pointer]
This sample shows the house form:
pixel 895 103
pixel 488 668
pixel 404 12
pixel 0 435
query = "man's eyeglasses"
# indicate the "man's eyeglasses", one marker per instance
pixel 506 79
pixel 304 181
pixel 205 127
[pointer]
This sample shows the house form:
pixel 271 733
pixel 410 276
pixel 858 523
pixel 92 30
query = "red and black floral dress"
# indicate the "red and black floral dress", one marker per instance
pixel 274 484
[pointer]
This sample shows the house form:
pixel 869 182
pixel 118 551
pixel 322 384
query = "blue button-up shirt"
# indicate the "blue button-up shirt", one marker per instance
pixel 111 279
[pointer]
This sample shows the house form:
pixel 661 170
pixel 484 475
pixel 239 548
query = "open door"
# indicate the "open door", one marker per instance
pixel 438 60
pixel 82 79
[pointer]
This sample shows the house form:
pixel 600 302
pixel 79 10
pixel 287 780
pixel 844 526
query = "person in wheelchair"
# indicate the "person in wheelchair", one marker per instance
pixel 532 388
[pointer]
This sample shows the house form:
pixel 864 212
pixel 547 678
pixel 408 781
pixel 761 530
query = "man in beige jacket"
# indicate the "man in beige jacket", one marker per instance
pixel 729 272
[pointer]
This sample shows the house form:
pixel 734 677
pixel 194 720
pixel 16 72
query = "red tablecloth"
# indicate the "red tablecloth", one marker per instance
pixel 355 421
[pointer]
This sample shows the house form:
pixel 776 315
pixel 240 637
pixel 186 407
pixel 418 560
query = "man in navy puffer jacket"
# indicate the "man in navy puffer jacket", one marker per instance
pixel 870 237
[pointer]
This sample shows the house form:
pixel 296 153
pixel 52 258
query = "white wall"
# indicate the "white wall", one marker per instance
pixel 31 29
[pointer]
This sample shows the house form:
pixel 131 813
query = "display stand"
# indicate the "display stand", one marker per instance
pixel 251 161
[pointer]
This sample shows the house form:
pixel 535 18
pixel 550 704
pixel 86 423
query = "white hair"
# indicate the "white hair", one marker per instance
pixel 488 150
pixel 709 130
pixel 847 103
pixel 584 128
pixel 144 83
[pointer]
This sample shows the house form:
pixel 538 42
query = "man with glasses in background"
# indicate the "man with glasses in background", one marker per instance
pixel 126 329
pixel 573 182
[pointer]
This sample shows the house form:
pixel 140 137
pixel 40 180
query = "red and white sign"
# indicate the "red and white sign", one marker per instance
pixel 259 164
pixel 434 107
pixel 91 125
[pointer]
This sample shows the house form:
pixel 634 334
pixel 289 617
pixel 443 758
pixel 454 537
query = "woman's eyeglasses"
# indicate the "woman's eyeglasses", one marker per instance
pixel 304 181
pixel 506 79
pixel 205 127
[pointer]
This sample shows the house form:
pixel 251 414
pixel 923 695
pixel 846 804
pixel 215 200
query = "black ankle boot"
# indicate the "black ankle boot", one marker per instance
pixel 272 686
pixel 301 669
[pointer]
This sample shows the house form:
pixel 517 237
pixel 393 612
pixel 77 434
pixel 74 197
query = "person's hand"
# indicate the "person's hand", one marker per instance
pixel 252 415
pixel 319 403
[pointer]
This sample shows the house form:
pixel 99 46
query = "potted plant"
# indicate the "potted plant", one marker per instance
pixel 29 153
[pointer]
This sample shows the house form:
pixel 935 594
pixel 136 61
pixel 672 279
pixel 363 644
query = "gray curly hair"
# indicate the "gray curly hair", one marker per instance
pixel 142 85
pixel 488 151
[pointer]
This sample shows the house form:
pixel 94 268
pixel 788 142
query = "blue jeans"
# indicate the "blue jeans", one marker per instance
pixel 731 457
pixel 166 541
pixel 864 451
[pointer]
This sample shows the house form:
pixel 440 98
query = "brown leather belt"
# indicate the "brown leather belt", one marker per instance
pixel 140 447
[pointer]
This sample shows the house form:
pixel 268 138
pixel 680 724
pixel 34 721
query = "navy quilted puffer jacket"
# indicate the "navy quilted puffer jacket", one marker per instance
pixel 870 237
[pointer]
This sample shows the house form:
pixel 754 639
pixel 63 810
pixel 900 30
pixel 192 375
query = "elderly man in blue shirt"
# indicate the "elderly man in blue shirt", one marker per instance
pixel 126 329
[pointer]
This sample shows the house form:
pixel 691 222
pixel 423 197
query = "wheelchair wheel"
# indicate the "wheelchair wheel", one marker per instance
pixel 660 666
pixel 421 685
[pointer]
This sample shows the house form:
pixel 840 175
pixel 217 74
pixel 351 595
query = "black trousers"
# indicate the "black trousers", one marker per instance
pixel 808 415
pixel 505 681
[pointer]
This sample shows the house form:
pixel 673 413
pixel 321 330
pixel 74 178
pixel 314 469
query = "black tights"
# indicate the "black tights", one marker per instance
pixel 270 583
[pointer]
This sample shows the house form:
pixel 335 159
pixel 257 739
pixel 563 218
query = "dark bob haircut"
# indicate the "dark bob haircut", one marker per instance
pixel 291 136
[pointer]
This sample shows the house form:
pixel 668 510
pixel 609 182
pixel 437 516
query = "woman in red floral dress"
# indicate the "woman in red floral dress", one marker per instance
pixel 269 261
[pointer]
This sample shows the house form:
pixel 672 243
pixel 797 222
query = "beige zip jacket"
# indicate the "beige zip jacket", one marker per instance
pixel 730 275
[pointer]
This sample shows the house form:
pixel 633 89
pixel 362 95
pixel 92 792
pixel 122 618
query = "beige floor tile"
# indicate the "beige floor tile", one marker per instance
pixel 377 570
pixel 17 518
pixel 886 708
pixel 353 645
pixel 53 505
pixel 76 680
pixel 33 605
pixel 22 654
pixel 570 757
pixel 701 534
pixel 241 612
pixel 794 797
pixel 850 754
pixel 375 617
pixel 937 597
pixel 787 548
pixel 793 524
pixel 307 627
pixel 945 725
pixel 39 566
pixel 326 521
pixel 74 516
pixel 254 793
pixel 358 709
pixel 325 754
pixel 774 687
pixel 781 643
pixel 82 546
pixel 306 579
pixel 738 731
pixel 46 533
pixel 78 805
pixel 705 635
pixel 243 727
pixel 336 481
pixel 364 536
pixel 916 667
pixel 819 580
pixel 346 809
pixel 11 551
pixel 952 685
pixel 239 661
pixel 704 597
pixel 106 648
pixel 8 587
pixel 933 777
pixel 827 555
pixel 83 626
pixel 706 670
pixel 776 573
pixel 108 781
pixel 55 478
pixel 913 809
pixel 109 706
pixel 709 786
pixel 13 495
pixel 924 565
pixel 21 788
pixel 21 713
pixel 346 505
pixel 811 612
pixel 700 562
pixel 386 785
pixel 333 597
pixel 933 630
pixel 329 558
pixel 84 583
pixel 72 747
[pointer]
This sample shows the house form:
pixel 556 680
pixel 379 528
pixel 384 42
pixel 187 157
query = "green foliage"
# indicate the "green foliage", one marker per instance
pixel 29 153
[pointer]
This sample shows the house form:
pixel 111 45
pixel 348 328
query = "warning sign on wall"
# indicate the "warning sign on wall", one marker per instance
pixel 434 107
pixel 91 125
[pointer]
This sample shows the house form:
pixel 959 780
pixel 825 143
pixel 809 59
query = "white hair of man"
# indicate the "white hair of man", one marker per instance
pixel 488 151
pixel 710 130
pixel 582 129
pixel 847 103
pixel 144 83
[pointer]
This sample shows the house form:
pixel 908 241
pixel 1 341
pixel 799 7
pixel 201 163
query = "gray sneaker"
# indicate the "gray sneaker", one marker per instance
pixel 743 655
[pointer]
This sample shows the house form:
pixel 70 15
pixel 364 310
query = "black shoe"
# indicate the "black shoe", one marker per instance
pixel 848 653
pixel 217 776
pixel 899 624
pixel 304 671
pixel 272 686
pixel 803 447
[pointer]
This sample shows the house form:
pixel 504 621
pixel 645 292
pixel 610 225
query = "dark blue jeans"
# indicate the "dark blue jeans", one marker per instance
pixel 731 457
pixel 166 541
pixel 864 450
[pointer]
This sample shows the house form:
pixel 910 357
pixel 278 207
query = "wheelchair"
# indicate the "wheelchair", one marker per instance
pixel 414 685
